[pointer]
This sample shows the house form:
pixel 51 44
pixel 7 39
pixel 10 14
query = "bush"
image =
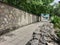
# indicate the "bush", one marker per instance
pixel 56 21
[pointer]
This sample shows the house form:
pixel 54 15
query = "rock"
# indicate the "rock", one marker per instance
pixel 44 35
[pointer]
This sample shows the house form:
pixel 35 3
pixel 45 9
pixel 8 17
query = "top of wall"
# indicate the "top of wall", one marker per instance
pixel 5 5
pixel 2 4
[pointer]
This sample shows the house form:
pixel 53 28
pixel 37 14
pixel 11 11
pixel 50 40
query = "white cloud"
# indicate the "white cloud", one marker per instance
pixel 56 1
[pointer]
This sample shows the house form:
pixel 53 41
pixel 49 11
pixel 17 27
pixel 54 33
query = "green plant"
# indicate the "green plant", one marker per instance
pixel 56 21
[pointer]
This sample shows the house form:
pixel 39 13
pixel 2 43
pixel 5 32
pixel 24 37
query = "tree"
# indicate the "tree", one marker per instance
pixel 32 6
pixel 57 10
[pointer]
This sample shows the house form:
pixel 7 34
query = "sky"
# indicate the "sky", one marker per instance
pixel 56 1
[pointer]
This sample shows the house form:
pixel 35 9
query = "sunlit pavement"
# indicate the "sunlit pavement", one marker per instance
pixel 20 36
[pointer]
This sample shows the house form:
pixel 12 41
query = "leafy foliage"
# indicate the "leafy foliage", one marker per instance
pixel 57 10
pixel 32 6
pixel 56 21
pixel 56 16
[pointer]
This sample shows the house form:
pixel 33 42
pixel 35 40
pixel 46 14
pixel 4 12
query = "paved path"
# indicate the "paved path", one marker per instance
pixel 20 36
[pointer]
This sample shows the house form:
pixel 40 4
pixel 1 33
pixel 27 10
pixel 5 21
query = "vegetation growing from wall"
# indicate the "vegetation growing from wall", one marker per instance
pixel 32 6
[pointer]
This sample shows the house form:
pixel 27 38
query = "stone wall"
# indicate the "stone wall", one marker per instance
pixel 12 17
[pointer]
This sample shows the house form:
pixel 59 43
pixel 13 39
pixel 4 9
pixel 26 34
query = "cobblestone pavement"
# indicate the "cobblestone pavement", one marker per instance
pixel 20 36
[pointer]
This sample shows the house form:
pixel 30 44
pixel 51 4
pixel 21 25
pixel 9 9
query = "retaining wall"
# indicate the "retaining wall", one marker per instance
pixel 12 17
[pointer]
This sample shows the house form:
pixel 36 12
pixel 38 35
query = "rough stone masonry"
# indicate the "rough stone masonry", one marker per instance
pixel 44 35
pixel 13 17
